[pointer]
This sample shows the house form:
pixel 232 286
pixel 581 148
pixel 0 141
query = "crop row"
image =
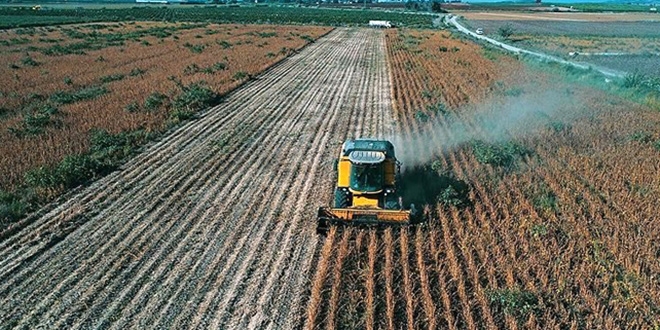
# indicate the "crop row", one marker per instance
pixel 556 228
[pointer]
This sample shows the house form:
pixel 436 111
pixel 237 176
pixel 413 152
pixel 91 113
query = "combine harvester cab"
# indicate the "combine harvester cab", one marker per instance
pixel 366 190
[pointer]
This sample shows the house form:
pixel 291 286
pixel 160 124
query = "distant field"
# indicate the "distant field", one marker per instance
pixel 563 16
pixel 13 17
pixel 649 65
pixel 573 28
pixel 562 33
pixel 562 45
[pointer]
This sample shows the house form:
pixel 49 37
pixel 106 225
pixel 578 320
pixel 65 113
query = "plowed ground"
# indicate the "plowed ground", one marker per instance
pixel 211 226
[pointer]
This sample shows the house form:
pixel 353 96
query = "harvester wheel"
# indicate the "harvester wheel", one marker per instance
pixel 341 199
pixel 322 227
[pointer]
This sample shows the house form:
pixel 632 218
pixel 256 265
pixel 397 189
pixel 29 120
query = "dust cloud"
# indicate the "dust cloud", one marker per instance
pixel 516 113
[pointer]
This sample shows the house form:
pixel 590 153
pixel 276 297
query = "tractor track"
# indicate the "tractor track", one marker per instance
pixel 213 226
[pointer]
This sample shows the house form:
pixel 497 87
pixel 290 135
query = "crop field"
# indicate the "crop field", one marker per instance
pixel 539 196
pixel 638 29
pixel 210 227
pixel 547 236
pixel 642 64
pixel 14 16
pixel 525 13
pixel 66 84
pixel 563 45
pixel 623 54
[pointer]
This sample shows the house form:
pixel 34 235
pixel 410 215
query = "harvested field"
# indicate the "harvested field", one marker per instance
pixel 644 64
pixel 623 54
pixel 563 17
pixel 636 37
pixel 64 83
pixel 210 227
pixel 572 29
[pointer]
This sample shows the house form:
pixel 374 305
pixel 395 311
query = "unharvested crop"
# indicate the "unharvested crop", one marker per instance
pixel 128 90
pixel 565 238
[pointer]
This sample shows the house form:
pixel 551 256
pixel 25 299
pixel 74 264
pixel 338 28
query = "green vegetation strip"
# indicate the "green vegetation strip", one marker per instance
pixel 13 17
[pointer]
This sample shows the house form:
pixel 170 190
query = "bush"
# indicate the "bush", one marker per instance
pixel 558 127
pixel 642 137
pixel 437 7
pixel 307 38
pixel 240 75
pixel 506 31
pixel 79 95
pixel 429 184
pixel 498 155
pixel 106 153
pixel 74 170
pixel 224 44
pixel 12 208
pixel 194 97
pixel 438 108
pixel 546 202
pixel 137 72
pixel 132 107
pixel 35 122
pixel 421 116
pixel 634 80
pixel 154 101
pixel 267 34
pixel 68 81
pixel 191 69
pixel 514 302
pixel 111 150
pixel 219 66
pixel 29 61
pixel 111 78
pixel 197 49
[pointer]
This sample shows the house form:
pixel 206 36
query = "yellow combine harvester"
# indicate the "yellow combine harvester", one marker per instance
pixel 366 190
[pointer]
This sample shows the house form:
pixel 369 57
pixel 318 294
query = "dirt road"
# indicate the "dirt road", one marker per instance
pixel 212 227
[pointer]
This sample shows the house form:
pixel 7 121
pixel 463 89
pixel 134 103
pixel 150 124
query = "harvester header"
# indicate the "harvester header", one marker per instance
pixel 366 191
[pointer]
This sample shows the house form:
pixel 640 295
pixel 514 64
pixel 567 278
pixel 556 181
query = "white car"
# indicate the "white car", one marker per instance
pixel 479 31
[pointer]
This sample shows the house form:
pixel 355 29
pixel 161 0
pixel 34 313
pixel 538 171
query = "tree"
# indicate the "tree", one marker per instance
pixel 506 31
pixel 437 7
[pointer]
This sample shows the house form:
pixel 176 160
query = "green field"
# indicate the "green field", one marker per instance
pixel 13 17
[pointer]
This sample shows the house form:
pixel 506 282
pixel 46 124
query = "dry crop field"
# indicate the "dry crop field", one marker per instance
pixel 62 83
pixel 540 200
pixel 556 231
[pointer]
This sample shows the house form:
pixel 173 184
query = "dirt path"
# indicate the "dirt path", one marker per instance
pixel 212 227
